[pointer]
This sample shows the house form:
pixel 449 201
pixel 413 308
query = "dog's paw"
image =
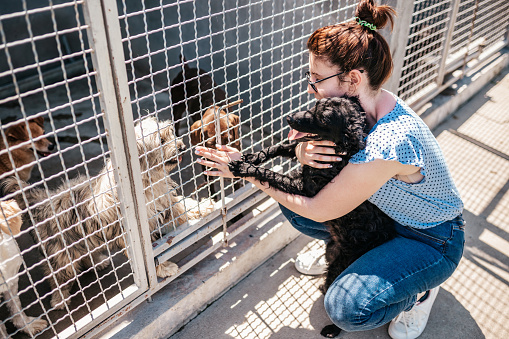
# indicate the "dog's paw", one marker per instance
pixel 330 331
pixel 57 302
pixel 103 261
pixel 197 209
pixel 206 207
pixel 166 269
pixel 34 325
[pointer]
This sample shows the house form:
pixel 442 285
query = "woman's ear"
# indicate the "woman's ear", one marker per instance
pixel 355 81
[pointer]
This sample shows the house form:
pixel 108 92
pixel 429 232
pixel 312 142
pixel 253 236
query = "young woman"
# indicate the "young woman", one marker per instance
pixel 401 170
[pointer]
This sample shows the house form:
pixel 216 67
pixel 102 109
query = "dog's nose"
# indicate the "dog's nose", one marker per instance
pixel 182 148
pixel 51 147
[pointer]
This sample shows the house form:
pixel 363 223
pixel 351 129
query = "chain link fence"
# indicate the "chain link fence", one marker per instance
pixel 102 103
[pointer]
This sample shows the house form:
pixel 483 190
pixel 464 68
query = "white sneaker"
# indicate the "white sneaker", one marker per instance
pixel 410 324
pixel 311 263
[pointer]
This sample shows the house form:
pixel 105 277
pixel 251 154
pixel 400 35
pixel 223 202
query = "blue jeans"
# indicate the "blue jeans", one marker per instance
pixel 386 280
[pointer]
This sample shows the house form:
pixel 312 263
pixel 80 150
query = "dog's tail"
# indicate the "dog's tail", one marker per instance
pixel 9 186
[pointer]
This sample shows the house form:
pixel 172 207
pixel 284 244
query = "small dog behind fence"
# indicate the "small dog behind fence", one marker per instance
pixel 193 91
pixel 10 262
pixel 85 216
pixel 22 141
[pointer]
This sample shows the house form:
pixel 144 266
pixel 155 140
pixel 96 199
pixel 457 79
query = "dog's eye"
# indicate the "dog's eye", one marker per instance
pixel 163 141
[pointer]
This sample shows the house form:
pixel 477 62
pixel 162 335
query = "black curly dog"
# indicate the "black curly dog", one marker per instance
pixel 343 121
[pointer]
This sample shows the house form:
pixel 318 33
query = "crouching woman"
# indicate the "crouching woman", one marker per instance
pixel 401 170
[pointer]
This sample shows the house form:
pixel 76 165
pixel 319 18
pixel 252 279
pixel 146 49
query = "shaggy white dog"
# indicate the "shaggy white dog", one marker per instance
pixel 75 224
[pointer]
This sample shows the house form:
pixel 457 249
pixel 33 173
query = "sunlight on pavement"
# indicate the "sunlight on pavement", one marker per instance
pixel 289 307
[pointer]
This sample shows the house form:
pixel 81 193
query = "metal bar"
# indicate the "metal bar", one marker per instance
pixel 217 115
pixel 119 125
pixel 399 34
pixel 471 32
pixel 209 227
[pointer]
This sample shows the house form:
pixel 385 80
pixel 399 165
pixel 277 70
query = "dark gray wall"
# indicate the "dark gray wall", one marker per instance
pixel 16 29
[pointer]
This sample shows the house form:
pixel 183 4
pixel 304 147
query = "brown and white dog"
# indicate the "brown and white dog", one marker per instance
pixel 17 142
pixel 10 261
pixel 203 133
pixel 193 91
pixel 81 219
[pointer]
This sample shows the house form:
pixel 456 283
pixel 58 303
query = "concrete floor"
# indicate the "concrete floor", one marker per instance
pixel 275 301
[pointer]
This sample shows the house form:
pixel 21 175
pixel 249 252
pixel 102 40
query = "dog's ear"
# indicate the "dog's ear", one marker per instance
pixel 234 123
pixel 196 135
pixel 183 61
pixel 17 132
pixel 39 121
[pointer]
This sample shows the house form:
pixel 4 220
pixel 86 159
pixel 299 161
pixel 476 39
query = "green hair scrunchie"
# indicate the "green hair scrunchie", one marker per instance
pixel 365 23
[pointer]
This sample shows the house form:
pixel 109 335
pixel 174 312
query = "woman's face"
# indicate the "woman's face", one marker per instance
pixel 320 68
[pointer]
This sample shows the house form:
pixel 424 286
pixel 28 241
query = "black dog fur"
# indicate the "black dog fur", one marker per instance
pixel 343 121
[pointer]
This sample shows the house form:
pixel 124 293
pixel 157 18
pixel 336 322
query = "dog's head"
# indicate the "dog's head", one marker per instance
pixel 10 217
pixel 19 135
pixel 157 145
pixel 340 120
pixel 203 132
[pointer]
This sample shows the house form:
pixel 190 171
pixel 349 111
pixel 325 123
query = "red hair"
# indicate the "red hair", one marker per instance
pixel 350 45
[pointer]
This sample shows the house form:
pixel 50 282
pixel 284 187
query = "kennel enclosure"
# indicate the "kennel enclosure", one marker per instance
pixel 95 68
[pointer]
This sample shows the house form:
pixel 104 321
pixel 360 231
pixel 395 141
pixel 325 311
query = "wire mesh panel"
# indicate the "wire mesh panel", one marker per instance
pixel 479 25
pixel 445 37
pixel 423 51
pixel 57 176
pixel 185 61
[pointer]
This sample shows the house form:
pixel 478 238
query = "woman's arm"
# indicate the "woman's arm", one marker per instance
pixel 354 185
pixel 349 189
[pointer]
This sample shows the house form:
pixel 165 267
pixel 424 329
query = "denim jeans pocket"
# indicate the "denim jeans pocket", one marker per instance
pixel 448 238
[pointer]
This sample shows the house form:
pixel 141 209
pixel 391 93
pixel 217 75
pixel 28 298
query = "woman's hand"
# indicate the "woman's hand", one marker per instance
pixel 308 153
pixel 218 159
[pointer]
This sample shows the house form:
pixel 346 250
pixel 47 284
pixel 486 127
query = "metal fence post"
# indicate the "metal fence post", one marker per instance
pixel 445 51
pixel 108 57
pixel 397 40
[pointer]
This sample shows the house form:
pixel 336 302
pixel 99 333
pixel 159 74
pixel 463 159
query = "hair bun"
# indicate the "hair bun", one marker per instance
pixel 370 12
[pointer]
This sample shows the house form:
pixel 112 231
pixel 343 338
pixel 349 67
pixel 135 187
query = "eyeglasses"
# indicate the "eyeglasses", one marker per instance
pixel 312 83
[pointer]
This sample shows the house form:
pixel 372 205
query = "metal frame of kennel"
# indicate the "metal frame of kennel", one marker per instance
pixel 446 40
pixel 130 45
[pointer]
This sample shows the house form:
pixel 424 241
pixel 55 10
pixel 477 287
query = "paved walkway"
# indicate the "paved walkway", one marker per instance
pixel 275 301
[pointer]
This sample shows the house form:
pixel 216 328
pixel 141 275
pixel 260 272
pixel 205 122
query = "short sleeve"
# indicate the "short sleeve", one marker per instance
pixel 402 136
pixel 393 140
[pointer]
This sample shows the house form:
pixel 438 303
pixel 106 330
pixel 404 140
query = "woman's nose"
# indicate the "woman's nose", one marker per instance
pixel 310 90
